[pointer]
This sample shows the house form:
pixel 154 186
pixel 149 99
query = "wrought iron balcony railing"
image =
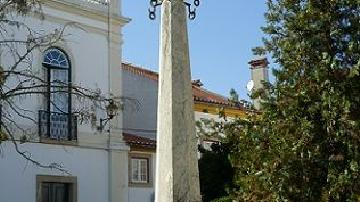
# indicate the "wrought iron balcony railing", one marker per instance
pixel 57 126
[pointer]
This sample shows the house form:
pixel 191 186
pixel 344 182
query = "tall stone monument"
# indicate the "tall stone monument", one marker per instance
pixel 177 177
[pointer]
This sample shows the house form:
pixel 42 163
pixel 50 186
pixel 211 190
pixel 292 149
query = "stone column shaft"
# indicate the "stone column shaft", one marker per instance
pixel 177 169
pixel 117 148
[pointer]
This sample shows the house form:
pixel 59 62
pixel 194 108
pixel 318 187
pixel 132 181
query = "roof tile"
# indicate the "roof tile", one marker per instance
pixel 200 94
pixel 135 140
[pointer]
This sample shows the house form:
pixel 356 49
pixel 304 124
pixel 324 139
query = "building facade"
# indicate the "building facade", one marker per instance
pixel 94 163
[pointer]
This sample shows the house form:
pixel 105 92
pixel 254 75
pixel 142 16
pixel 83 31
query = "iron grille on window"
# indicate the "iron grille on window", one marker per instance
pixel 57 126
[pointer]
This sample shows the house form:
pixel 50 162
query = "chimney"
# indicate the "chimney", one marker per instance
pixel 259 73
pixel 197 83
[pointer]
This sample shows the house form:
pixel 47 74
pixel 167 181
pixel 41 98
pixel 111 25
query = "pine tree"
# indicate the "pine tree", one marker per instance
pixel 305 145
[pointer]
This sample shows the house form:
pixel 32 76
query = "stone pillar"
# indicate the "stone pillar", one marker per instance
pixel 177 177
pixel 118 172
pixel 259 73
pixel 118 150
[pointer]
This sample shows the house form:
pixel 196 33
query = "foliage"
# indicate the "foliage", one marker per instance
pixel 215 172
pixel 305 144
pixel 234 96
pixel 21 7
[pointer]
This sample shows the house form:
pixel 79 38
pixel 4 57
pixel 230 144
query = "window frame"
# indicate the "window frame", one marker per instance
pixel 149 171
pixel 49 68
pixel 140 171
pixel 48 71
pixel 71 182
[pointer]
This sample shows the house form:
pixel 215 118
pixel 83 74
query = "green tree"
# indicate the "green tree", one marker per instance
pixel 305 144
pixel 234 96
pixel 215 172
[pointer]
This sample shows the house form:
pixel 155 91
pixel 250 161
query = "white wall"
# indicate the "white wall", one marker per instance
pixel 144 90
pixel 139 194
pixel 87 49
pixel 144 194
pixel 85 41
pixel 18 176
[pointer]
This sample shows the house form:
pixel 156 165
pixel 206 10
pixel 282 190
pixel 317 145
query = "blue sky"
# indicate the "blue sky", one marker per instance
pixel 221 39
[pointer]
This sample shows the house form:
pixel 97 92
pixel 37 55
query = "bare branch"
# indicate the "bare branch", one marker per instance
pixel 27 155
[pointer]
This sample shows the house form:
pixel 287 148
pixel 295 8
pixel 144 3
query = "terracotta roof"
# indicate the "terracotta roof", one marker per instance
pixel 200 94
pixel 203 95
pixel 140 71
pixel 135 140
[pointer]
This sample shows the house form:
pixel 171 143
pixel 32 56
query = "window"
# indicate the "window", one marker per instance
pixel 139 170
pixel 56 189
pixel 58 72
pixel 54 192
pixel 57 122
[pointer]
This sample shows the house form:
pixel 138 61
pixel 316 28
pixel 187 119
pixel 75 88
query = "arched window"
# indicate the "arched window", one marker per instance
pixel 58 113
pixel 56 58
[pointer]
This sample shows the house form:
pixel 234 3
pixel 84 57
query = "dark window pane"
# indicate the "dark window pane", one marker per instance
pixel 45 195
pixel 55 55
pixel 60 193
pixel 55 192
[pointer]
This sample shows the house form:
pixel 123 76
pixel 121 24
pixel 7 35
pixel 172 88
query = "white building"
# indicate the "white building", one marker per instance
pixel 89 55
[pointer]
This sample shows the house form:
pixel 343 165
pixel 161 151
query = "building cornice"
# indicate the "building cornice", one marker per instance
pixel 87 11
